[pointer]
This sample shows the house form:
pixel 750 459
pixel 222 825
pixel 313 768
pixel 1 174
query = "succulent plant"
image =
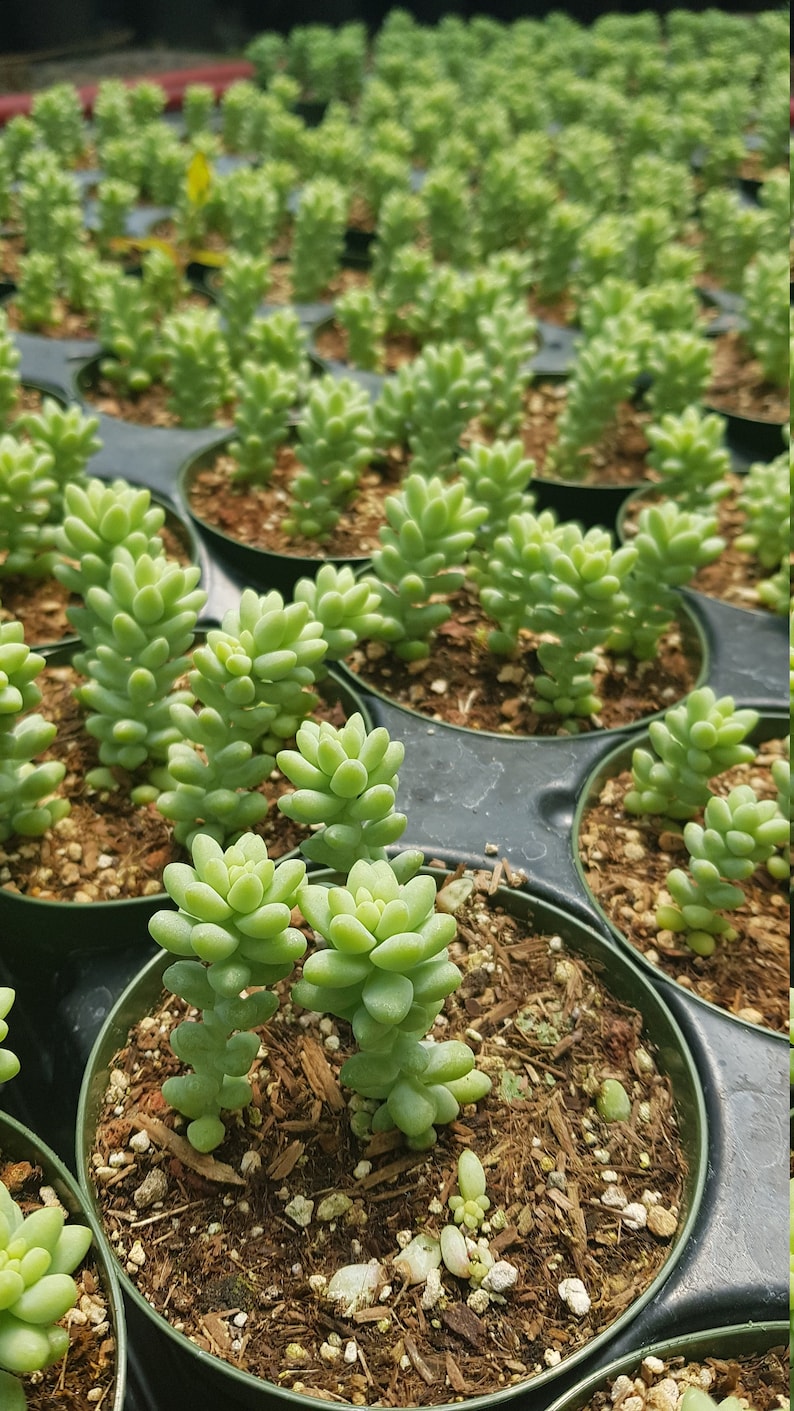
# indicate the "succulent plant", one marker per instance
pixel 672 543
pixel 386 969
pixel 127 330
pixel 280 338
pixel 732 233
pixel 251 211
pixel 497 476
pixel 764 490
pixel 265 395
pixel 57 113
pixel 243 287
pixel 318 237
pixel 27 805
pixel 507 339
pixel 147 102
pixel 431 526
pixel 346 607
pixel 9 1063
pixel 346 782
pixel 696 740
pixel 695 1399
pixel 198 104
pixel 27 488
pixel 688 452
pixel 399 219
pixel 197 369
pixel 37 289
pixel 470 1204
pixel 111 111
pixel 766 306
pixel 605 374
pixel 335 443
pixel 446 195
pixel 361 315
pixel 740 832
pixel 231 932
pixel 680 365
pixel 429 403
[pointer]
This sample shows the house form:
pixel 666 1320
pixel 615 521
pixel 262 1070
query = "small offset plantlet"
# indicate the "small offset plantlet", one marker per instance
pixel 695 1399
pixel 197 369
pixel 470 1204
pixel 335 443
pixel 318 237
pixel 764 491
pixel 688 452
pixel 363 318
pixel 672 543
pixel 231 934
pixel 431 526
pixel 27 805
pixel 347 782
pixel 613 1102
pixel 698 739
pixel 265 396
pixel 741 832
pixel 386 969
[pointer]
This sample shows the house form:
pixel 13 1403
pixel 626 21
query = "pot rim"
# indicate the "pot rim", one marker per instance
pixel 52 1164
pixel 695 1344
pixel 548 915
pixel 687 613
pixel 602 770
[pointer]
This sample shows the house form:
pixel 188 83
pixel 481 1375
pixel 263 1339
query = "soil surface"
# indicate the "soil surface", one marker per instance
pixel 226 1263
pixel 762 1378
pixel 739 386
pixel 735 575
pixel 86 1376
pixel 67 323
pixel 252 514
pixel 626 859
pixel 463 683
pixel 617 459
pixel 397 349
pixel 108 847
pixel 149 408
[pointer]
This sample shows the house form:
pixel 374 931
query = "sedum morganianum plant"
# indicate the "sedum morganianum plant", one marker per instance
pixel 497 476
pixel 346 782
pixel 265 396
pixel 606 371
pixel 688 452
pixel 738 834
pixel 386 968
pixel 197 368
pixel 764 493
pixel 233 939
pixel 701 737
pixel 428 404
pixel 334 444
pixel 766 304
pixel 9 371
pixel 318 237
pixel 27 805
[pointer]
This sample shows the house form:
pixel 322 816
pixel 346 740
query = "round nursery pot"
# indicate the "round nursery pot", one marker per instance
pixel 262 567
pixel 19 1144
pixel 771 725
pixel 755 438
pixel 695 643
pixel 193 1367
pixel 727 1344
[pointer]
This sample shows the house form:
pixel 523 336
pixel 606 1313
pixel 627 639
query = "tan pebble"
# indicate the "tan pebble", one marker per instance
pixel 153 1187
pixel 663 1396
pixel 662 1222
pixel 621 1387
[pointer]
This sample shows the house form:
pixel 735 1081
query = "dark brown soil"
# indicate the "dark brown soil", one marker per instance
pixel 398 348
pixel 760 1378
pixel 462 683
pixel 735 575
pixel 108 847
pixel 149 408
pixel 86 1376
pixel 626 860
pixel 66 324
pixel 618 459
pixel 252 514
pixel 561 310
pixel 227 1266
pixel 280 290
pixel 738 384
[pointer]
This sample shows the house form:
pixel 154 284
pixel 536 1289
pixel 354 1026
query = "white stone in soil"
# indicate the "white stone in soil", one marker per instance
pixel 575 1295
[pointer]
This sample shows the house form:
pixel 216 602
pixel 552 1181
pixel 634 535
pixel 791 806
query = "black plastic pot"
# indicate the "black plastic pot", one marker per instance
pixel 724 1343
pixel 769 726
pixel 86 381
pixel 19 1143
pixel 211 1382
pixel 260 567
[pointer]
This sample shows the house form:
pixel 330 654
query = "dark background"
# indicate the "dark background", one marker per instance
pixel 227 25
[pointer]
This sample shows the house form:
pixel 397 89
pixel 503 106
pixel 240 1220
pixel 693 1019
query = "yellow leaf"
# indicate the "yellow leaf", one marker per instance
pixel 216 258
pixel 199 180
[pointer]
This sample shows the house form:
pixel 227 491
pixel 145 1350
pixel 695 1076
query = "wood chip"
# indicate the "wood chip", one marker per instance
pixel 321 1078
pixel 286 1162
pixel 456 1378
pixel 390 1172
pixel 180 1147
pixel 418 1361
pixel 509 1235
pixel 461 1319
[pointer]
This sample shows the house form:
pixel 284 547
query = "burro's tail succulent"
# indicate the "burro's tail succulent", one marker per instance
pixel 699 738
pixel 386 969
pixel 232 934
pixel 26 803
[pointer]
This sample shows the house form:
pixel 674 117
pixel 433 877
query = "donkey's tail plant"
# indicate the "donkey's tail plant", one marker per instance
pixel 232 933
pixel 335 443
pixel 688 452
pixel 265 395
pixel 431 526
pixel 386 969
pixel 497 476
pixel 764 491
pixel 695 741
pixel 671 544
pixel 37 289
pixel 605 374
pixel 346 781
pixel 38 1253
pixel 243 287
pixel 26 803
pixel 346 607
pixel 766 302
pixel 779 865
pixel 679 364
pixel 319 236
pixel 363 318
pixel 507 339
pixel 450 386
pixel 9 371
pixel 27 488
pixel 740 833
pixel 280 338
pixel 9 1063
pixel 198 372
pixel 98 519
pixel 127 330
